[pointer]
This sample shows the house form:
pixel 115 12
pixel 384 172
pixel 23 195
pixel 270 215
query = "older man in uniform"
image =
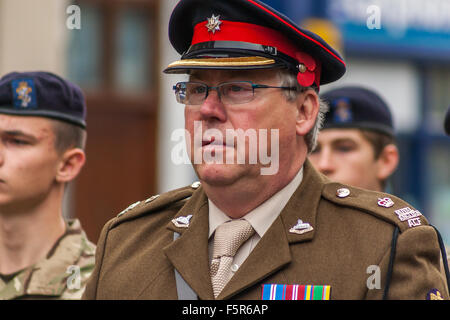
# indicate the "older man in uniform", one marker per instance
pixel 42 136
pixel 243 232
pixel 356 145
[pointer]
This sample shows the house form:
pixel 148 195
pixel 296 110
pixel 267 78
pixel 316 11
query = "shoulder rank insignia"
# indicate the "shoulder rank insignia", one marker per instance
pixel 301 227
pixel 152 198
pixel 385 202
pixel 295 292
pixel 182 222
pixel 131 206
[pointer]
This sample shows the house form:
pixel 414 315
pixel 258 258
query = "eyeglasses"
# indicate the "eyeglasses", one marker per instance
pixel 235 92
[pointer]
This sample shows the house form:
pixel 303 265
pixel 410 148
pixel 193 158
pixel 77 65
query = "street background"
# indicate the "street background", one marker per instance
pixel 399 48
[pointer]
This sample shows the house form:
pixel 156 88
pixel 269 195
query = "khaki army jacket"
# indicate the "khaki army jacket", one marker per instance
pixel 61 275
pixel 348 246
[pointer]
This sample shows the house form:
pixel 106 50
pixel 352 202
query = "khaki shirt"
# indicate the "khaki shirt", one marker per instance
pixel 61 275
pixel 344 242
pixel 260 218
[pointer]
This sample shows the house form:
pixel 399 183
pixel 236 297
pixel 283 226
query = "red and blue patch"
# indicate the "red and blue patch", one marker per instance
pixel 24 94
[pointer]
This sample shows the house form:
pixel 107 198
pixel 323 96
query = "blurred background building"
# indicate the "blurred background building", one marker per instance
pixel 399 48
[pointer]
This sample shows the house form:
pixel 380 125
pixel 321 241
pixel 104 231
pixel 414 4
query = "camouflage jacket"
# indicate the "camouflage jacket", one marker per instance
pixel 61 275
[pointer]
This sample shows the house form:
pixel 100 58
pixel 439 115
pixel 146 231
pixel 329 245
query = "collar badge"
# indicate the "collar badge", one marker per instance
pixel 301 227
pixel 182 222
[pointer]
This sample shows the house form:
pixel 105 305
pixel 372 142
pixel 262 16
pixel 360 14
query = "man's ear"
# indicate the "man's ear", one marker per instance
pixel 70 165
pixel 307 111
pixel 387 162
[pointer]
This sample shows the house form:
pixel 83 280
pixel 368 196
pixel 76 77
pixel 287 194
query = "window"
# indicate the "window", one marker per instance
pixel 113 58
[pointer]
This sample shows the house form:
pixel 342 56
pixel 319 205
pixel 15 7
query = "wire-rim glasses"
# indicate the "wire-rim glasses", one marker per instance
pixel 233 92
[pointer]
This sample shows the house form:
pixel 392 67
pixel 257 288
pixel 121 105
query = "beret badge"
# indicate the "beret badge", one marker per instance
pixel 23 93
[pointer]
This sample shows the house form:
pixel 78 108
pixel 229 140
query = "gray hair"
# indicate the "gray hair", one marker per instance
pixel 289 79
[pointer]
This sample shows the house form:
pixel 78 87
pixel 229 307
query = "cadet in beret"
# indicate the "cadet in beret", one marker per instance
pixel 42 136
pixel 258 229
pixel 356 145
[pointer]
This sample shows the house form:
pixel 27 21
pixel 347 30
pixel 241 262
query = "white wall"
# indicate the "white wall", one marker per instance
pixel 32 35
pixel 396 82
pixel 171 114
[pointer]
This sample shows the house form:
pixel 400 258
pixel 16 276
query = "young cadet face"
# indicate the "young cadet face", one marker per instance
pixel 28 161
pixel 345 156
pixel 269 110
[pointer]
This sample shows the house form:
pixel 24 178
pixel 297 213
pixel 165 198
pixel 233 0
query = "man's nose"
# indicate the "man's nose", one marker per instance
pixel 212 107
pixel 2 153
pixel 325 163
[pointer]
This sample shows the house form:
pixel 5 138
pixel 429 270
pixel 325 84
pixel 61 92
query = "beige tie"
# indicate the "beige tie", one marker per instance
pixel 228 237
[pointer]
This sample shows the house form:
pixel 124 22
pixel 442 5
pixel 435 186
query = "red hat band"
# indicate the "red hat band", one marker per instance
pixel 309 68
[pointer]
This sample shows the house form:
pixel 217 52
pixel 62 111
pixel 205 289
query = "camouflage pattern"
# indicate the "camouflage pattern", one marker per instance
pixel 61 275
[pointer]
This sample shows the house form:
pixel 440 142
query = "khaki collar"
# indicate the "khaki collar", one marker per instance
pixel 262 217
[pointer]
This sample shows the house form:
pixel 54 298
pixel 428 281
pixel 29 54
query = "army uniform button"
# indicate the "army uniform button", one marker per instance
pixel 234 267
pixel 302 68
pixel 195 185
pixel 343 192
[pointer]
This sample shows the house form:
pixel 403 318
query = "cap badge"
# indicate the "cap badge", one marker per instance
pixel 342 192
pixel 385 202
pixel 182 222
pixel 343 111
pixel 301 227
pixel 213 24
pixel 23 93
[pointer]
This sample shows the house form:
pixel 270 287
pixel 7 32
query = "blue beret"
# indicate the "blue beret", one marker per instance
pixel 42 94
pixel 248 34
pixel 357 107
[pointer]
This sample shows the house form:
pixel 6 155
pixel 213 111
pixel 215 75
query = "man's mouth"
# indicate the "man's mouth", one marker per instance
pixel 213 142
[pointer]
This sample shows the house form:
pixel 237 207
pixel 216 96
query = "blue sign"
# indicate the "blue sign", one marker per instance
pixel 415 28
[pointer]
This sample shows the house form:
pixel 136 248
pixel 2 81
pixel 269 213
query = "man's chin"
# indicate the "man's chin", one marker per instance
pixel 219 174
